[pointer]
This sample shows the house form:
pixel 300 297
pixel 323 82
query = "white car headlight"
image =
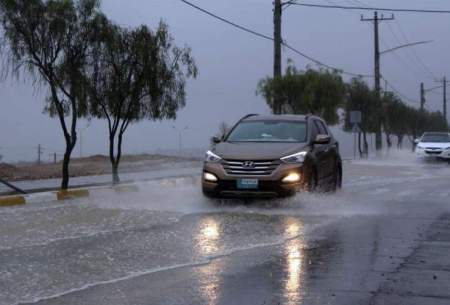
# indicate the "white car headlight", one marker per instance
pixel 295 158
pixel 212 157
pixel 420 147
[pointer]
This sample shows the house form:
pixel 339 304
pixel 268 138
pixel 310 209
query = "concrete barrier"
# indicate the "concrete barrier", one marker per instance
pixel 12 200
pixel 71 194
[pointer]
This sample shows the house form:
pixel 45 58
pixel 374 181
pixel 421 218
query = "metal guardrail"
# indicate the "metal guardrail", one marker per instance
pixel 18 190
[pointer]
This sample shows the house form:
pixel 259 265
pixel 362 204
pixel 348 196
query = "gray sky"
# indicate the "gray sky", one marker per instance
pixel 231 62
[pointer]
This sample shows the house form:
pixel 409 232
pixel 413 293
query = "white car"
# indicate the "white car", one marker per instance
pixel 434 145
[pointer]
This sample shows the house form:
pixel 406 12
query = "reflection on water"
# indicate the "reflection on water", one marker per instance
pixel 207 238
pixel 208 242
pixel 294 259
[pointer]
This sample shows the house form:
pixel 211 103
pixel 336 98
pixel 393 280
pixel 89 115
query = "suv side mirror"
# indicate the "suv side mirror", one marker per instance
pixel 417 141
pixel 216 140
pixel 322 139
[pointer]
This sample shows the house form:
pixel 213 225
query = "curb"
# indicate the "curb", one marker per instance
pixel 12 200
pixel 8 201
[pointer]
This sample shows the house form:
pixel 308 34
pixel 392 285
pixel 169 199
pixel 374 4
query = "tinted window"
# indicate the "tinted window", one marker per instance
pixel 436 138
pixel 314 131
pixel 269 131
pixel 321 128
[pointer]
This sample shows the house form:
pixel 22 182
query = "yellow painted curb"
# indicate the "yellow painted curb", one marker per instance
pixel 12 200
pixel 126 188
pixel 64 195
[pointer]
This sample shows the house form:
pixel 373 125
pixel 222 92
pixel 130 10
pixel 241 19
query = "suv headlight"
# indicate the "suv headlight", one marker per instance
pixel 295 158
pixel 212 157
pixel 420 147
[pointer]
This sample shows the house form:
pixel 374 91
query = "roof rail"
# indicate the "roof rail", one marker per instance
pixel 247 116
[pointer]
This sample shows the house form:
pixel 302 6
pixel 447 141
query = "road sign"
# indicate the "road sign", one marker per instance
pixel 355 117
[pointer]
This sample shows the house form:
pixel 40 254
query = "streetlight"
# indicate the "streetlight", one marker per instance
pixel 405 45
pixel 180 132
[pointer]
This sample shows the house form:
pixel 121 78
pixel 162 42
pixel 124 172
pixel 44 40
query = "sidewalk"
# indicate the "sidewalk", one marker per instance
pixel 32 186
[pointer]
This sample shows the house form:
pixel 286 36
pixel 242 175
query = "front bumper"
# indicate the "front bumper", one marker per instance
pixel 268 185
pixel 433 153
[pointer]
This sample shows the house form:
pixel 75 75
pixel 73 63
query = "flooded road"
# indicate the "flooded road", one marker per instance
pixel 383 239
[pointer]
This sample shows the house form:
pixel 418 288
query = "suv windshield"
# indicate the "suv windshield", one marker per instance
pixel 436 138
pixel 269 131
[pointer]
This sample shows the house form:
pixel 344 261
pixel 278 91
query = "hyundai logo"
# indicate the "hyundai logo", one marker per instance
pixel 249 164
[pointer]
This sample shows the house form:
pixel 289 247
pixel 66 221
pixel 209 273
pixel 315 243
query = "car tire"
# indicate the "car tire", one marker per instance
pixel 337 183
pixel 311 184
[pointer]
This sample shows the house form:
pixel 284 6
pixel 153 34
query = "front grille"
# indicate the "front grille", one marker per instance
pixel 250 168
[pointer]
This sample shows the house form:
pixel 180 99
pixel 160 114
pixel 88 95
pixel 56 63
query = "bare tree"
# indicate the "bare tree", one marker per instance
pixel 49 41
pixel 134 75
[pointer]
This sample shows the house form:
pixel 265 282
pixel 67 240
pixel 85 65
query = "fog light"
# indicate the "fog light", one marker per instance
pixel 210 177
pixel 293 177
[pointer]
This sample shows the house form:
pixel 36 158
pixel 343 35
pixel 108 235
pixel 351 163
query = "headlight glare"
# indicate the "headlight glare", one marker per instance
pixel 291 178
pixel 209 177
pixel 295 158
pixel 212 157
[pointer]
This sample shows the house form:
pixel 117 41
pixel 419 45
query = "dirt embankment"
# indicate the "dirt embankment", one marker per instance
pixel 89 166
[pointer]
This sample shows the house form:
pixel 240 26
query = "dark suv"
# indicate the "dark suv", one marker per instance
pixel 274 155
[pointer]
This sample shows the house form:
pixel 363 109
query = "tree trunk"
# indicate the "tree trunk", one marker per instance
pixel 359 145
pixel 65 164
pixel 400 142
pixel 388 140
pixel 115 158
pixel 366 146
pixel 115 173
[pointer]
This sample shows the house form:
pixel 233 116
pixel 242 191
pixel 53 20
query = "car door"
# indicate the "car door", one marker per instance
pixel 331 150
pixel 320 151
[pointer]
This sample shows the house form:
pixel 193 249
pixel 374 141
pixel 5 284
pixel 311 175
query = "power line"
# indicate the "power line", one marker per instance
pixel 419 60
pixel 399 93
pixel 248 30
pixel 405 10
pixel 421 70
pixel 227 21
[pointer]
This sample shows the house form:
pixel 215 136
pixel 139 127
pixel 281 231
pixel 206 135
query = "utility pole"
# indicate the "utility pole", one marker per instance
pixel 444 83
pixel 39 151
pixel 277 12
pixel 377 74
pixel 422 97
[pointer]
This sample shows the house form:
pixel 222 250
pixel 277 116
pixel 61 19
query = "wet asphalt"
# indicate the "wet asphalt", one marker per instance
pixel 383 239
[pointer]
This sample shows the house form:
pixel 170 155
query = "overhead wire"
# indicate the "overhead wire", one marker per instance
pixel 419 60
pixel 260 35
pixel 364 8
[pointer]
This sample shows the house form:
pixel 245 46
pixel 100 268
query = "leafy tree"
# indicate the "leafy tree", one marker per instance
pixel 317 92
pixel 394 118
pixel 361 98
pixel 49 41
pixel 135 74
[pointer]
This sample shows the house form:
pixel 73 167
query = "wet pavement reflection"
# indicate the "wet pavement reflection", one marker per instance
pixel 294 259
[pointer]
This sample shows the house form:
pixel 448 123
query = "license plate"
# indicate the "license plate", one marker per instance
pixel 247 184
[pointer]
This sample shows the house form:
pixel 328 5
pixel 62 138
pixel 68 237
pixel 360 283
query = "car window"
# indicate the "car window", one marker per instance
pixel 436 138
pixel 268 131
pixel 320 127
pixel 314 131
